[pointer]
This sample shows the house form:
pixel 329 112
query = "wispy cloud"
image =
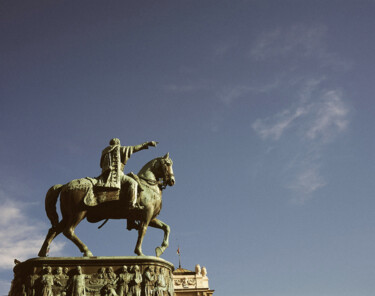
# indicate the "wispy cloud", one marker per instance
pixel 330 116
pixel 228 94
pixel 299 39
pixel 316 120
pixel 324 118
pixel 274 127
pixel 307 181
pixel 295 43
pixel 20 236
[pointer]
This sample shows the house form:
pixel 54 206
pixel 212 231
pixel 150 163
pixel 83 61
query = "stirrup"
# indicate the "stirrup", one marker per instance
pixel 131 224
pixel 135 207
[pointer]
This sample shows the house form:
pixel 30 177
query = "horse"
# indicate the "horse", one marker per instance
pixel 74 210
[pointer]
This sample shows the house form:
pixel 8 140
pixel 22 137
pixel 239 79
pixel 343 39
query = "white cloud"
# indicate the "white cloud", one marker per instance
pixel 323 116
pixel 229 94
pixel 306 182
pixel 20 236
pixel 281 122
pixel 319 117
pixel 330 118
pixel 295 43
pixel 299 40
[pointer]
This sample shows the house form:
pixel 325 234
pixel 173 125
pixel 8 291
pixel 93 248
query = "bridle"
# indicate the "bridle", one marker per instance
pixel 167 175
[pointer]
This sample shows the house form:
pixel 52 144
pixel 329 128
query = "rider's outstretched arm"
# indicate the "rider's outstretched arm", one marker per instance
pixel 144 146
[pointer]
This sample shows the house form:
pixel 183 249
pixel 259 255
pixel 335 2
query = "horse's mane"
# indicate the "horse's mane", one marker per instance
pixel 148 165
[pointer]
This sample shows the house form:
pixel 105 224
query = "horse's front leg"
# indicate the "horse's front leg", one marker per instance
pixel 141 234
pixel 161 225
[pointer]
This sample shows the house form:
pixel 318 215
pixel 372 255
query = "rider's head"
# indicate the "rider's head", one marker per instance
pixel 114 141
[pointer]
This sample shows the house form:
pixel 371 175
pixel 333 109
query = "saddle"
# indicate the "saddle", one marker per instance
pixel 96 195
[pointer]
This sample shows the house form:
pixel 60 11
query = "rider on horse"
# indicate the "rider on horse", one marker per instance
pixel 112 162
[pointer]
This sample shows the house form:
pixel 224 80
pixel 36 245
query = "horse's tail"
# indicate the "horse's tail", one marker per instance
pixel 50 204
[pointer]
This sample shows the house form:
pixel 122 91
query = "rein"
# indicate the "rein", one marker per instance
pixel 162 185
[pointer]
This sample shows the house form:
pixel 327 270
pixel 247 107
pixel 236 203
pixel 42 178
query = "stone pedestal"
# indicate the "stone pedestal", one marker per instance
pixel 97 276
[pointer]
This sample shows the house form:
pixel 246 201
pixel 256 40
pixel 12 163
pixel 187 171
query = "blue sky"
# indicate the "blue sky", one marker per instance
pixel 266 108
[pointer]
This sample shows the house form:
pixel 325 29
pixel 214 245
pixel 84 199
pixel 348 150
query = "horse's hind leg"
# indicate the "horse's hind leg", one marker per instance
pixel 52 233
pixel 69 233
pixel 161 225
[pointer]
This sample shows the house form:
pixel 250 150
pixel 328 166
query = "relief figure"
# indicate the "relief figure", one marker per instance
pixel 135 284
pixel 149 278
pixel 124 279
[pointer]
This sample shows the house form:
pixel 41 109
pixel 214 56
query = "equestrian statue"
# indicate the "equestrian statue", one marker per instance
pixel 112 195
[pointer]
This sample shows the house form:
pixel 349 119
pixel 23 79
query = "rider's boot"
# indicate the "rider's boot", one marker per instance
pixel 133 205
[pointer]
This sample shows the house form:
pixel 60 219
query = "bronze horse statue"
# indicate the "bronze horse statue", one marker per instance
pixel 74 210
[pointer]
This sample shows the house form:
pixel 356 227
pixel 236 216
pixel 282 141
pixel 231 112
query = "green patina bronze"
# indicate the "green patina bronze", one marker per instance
pixel 113 195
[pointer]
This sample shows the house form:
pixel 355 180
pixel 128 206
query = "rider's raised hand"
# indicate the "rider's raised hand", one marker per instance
pixel 153 143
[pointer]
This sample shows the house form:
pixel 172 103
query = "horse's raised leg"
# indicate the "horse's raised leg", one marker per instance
pixel 161 225
pixel 69 233
pixel 141 234
pixel 52 233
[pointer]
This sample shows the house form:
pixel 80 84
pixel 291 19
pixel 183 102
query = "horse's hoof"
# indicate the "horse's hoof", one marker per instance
pixel 42 254
pixel 158 251
pixel 138 252
pixel 88 254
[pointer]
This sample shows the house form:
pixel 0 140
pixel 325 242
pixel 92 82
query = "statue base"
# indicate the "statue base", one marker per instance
pixel 94 276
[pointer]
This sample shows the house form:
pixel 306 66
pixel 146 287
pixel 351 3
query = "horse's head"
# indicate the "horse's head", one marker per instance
pixel 166 170
pixel 156 169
